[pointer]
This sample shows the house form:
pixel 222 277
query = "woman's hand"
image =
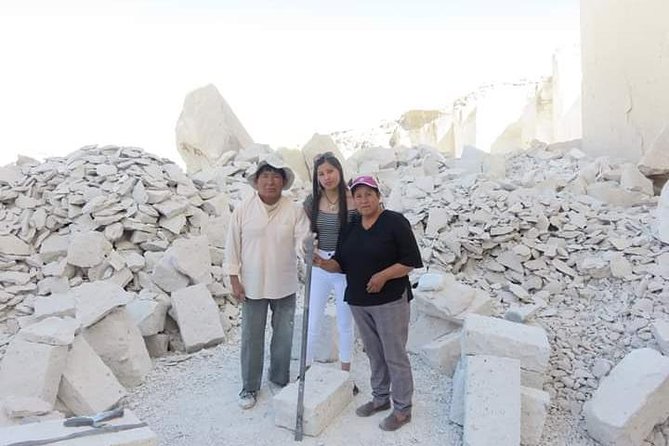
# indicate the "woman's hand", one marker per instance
pixel 376 282
pixel 329 265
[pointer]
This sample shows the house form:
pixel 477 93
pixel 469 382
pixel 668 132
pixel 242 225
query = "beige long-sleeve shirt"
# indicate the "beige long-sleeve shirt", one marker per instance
pixel 261 247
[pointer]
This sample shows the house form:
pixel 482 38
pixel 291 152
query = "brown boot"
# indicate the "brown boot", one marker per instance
pixel 394 421
pixel 370 408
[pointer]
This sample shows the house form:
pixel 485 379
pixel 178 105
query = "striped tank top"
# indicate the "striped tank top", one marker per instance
pixel 328 229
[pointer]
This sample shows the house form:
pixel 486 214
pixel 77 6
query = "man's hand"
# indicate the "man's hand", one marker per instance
pixel 376 282
pixel 237 289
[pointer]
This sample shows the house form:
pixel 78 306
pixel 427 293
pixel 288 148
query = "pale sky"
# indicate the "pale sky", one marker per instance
pixel 83 72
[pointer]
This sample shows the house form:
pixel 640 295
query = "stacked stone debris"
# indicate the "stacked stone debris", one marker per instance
pixel 553 237
pixel 108 256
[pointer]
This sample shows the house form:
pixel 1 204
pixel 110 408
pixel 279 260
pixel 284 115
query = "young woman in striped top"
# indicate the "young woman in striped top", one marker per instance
pixel 329 208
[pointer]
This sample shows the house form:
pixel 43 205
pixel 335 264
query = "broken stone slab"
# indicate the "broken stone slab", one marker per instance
pixel 52 331
pixel 631 400
pixel 443 353
pixel 660 330
pixel 534 405
pixel 149 315
pixel 88 386
pixel 118 341
pixel 327 392
pixel 431 282
pixel 198 317
pixel 95 300
pixel 492 401
pixel 482 335
pixel 12 245
pixel 48 431
pixel 453 299
pixel 34 370
pixel 88 249
pixel 56 305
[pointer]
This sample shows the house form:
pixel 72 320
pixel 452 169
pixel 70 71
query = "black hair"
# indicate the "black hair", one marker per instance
pixel 317 190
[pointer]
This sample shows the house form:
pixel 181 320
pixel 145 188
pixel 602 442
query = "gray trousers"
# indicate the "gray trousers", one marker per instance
pixel 384 330
pixel 254 318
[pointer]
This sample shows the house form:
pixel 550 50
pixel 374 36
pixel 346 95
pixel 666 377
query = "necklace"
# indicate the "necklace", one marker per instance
pixel 332 205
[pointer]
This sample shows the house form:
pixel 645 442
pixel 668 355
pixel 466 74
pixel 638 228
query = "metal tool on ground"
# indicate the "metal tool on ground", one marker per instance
pixel 96 420
pixel 309 260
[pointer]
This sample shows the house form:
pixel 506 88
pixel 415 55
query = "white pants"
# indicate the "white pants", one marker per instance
pixel 322 283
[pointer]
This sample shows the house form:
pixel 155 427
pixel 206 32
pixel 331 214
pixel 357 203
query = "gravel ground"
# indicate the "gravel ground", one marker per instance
pixel 192 400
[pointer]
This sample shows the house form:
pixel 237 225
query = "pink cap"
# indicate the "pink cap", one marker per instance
pixel 364 180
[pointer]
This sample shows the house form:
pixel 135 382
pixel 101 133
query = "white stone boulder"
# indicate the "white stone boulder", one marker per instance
pixel 118 341
pixel 452 299
pixel 631 400
pixel 88 386
pixel 190 256
pixel 492 401
pixel 327 392
pixel 198 318
pixel 30 369
pixel 56 305
pixel 633 180
pixel 208 128
pixel 54 247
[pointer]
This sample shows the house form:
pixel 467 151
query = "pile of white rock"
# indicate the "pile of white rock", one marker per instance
pixel 108 256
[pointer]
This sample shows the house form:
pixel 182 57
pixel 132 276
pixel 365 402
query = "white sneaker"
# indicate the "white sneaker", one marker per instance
pixel 247 399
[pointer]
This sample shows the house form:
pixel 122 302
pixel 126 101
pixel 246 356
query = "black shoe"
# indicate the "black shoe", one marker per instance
pixel 369 408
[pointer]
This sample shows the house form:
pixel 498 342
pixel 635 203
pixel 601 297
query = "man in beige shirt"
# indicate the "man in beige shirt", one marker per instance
pixel 265 232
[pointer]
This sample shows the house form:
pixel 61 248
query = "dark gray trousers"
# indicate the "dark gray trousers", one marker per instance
pixel 254 318
pixel 384 330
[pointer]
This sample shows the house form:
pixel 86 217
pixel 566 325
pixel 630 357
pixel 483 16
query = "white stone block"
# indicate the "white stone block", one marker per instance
pixel 149 315
pixel 119 343
pixel 52 331
pixel 22 406
pixel 190 256
pixel 167 277
pixel 198 317
pixel 327 391
pixel 431 282
pixel 631 400
pixel 32 370
pixel 492 401
pixel 660 330
pixel 47 430
pixel 12 245
pixel 482 335
pixel 534 405
pixel 88 386
pixel 443 353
